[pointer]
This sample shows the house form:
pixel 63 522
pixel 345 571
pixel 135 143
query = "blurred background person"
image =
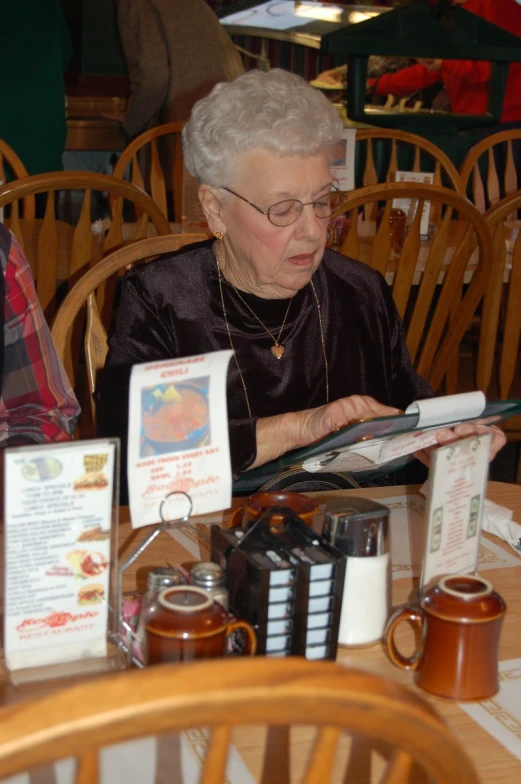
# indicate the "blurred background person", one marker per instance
pixel 176 51
pixel 465 81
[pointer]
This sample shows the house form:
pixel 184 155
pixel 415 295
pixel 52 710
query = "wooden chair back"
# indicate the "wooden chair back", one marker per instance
pixel 378 163
pixel 155 158
pixel 427 280
pixel 11 164
pixel 491 169
pixel 223 694
pixel 80 312
pixel 59 253
pixel 498 352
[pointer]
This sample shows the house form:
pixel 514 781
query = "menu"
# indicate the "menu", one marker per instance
pixel 343 163
pixel 178 450
pixel 58 516
pixel 409 206
pixel 457 488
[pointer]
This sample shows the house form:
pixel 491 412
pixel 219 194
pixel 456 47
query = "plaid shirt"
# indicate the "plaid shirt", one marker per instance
pixel 37 403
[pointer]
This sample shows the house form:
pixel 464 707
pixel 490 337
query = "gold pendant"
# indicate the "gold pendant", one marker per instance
pixel 277 351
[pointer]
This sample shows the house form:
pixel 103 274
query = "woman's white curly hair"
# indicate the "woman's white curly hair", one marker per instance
pixel 274 110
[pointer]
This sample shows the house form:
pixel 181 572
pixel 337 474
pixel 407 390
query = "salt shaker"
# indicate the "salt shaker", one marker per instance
pixel 211 577
pixel 360 529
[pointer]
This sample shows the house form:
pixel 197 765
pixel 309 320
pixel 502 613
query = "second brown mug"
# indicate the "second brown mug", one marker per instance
pixel 459 621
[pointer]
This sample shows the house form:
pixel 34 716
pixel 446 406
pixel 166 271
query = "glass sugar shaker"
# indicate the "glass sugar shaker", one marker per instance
pixel 158 579
pixel 212 578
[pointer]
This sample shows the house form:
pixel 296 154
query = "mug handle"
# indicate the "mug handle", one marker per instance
pixel 415 617
pixel 251 637
pixel 237 517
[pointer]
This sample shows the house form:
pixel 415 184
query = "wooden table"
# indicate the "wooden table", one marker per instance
pixel 493 762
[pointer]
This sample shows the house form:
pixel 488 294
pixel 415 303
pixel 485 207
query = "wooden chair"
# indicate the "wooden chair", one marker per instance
pixel 498 368
pixel 147 162
pixel 9 159
pixel 11 164
pixel 84 298
pixel 58 252
pixel 224 694
pixel 378 160
pixel 491 169
pixel 435 316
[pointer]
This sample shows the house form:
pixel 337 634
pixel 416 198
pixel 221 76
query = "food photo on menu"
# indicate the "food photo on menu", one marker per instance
pixel 175 417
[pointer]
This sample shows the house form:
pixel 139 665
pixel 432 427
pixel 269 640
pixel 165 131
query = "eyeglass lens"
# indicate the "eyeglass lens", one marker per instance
pixel 286 212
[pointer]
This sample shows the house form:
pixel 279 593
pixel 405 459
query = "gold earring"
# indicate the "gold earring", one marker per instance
pixel 218 234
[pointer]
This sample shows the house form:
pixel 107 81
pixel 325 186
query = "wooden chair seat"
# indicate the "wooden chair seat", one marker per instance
pixel 228 693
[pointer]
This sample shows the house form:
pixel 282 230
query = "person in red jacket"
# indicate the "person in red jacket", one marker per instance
pixel 466 81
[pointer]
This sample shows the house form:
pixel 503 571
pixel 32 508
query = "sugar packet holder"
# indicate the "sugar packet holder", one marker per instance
pixel 61 512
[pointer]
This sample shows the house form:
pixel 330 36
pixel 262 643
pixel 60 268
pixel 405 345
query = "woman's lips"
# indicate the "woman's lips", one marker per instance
pixel 302 260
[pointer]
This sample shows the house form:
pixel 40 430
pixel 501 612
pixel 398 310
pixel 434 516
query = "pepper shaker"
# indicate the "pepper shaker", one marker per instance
pixel 211 577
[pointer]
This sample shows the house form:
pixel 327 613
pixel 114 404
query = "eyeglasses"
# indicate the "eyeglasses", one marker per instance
pixel 286 212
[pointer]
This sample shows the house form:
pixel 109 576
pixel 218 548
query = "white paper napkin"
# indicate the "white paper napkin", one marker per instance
pixel 498 520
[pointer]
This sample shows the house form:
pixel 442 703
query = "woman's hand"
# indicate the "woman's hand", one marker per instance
pixel 319 422
pixel 446 435
pixel 277 435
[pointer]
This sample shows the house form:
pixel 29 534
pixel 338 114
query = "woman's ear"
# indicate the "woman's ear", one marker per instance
pixel 211 207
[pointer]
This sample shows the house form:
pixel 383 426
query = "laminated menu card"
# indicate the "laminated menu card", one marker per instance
pixel 378 446
pixel 454 509
pixel 409 205
pixel 60 514
pixel 178 451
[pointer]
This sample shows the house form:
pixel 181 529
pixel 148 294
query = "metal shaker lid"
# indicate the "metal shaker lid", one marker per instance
pixel 358 527
pixel 207 574
pixel 164 577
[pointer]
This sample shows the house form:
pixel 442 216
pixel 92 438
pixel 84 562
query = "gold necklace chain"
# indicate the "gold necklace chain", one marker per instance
pixel 277 350
pixel 231 341
pixel 245 389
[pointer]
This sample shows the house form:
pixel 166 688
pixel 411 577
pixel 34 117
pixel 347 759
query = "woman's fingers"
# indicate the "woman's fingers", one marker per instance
pixel 322 421
pixel 447 435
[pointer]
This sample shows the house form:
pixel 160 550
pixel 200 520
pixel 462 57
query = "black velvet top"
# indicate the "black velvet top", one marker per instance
pixel 172 307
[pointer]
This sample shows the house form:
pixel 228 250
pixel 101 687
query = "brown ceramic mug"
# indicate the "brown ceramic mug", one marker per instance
pixel 459 621
pixel 188 624
pixel 303 506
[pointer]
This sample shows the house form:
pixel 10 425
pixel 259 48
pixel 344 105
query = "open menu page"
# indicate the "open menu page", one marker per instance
pixel 58 518
pixel 378 446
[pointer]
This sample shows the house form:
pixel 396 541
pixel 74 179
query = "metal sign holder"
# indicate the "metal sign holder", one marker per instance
pixel 124 634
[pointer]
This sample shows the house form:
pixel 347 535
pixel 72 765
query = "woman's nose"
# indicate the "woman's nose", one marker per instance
pixel 308 226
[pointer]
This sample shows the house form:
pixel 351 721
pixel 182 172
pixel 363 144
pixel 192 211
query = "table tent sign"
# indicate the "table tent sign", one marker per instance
pixel 60 512
pixel 178 450
pixel 343 164
pixel 409 206
pixel 454 510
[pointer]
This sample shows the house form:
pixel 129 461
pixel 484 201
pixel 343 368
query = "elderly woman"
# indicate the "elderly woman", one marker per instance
pixel 316 337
